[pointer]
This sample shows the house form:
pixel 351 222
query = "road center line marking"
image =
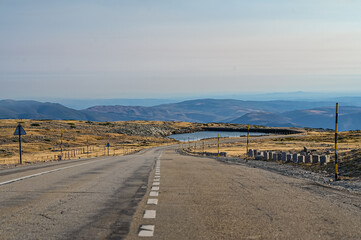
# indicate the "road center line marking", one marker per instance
pixel 152 201
pixel 46 172
pixel 153 194
pixel 149 214
pixel 155 189
pixel 146 231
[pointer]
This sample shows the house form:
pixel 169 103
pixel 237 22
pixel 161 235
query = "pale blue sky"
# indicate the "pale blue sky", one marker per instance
pixel 164 48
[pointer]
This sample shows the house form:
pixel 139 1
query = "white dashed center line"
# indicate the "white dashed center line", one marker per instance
pixel 149 214
pixel 152 201
pixel 148 230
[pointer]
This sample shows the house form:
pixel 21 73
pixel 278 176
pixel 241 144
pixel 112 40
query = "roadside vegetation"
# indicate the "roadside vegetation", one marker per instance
pixel 80 139
pixel 319 141
pixel 85 138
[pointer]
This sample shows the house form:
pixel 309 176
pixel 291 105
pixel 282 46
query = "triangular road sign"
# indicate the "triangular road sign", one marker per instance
pixel 19 130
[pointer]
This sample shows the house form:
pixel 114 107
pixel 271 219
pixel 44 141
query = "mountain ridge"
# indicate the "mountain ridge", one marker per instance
pixel 275 113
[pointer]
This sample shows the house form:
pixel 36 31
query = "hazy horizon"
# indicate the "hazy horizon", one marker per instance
pixel 82 103
pixel 159 49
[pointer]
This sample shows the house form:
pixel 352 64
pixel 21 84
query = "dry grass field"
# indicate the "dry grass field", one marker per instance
pixel 88 139
pixel 85 138
pixel 80 139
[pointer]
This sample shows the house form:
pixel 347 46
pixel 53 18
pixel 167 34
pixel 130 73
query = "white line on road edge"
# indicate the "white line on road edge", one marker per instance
pixel 46 172
pixel 146 231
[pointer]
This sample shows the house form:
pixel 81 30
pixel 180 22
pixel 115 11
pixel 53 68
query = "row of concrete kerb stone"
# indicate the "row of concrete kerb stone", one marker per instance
pixel 209 154
pixel 287 157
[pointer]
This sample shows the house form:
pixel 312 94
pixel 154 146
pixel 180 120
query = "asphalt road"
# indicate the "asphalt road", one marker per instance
pixel 201 198
pixel 198 198
pixel 79 199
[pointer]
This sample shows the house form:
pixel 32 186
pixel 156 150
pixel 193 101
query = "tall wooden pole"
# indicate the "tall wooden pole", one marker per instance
pixel 218 144
pixel 336 148
pixel 247 144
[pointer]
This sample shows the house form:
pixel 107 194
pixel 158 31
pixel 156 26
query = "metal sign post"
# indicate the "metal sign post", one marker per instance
pixel 20 131
pixel 87 147
pixel 61 145
pixel 108 146
pixel 203 148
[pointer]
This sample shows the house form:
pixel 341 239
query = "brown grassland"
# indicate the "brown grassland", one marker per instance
pixel 88 139
pixel 84 138
pixel 80 139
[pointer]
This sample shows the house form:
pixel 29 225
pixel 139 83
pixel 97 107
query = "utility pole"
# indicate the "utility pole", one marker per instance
pixel 336 148
pixel 218 144
pixel 247 144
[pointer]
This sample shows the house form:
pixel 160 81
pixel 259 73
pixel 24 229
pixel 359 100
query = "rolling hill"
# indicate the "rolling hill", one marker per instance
pixel 268 113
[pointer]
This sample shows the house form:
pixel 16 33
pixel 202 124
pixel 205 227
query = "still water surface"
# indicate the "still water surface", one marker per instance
pixel 210 134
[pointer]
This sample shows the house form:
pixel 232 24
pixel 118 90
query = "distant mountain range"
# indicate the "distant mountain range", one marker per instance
pixel 267 113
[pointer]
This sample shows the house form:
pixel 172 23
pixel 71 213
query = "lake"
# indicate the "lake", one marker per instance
pixel 196 136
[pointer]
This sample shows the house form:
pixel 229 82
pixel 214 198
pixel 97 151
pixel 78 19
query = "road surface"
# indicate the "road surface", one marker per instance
pixel 198 198
pixel 81 199
pixel 201 198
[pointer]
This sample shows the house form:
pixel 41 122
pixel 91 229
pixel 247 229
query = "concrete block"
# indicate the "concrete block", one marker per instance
pixel 223 154
pixel 288 157
pixel 308 158
pixel 284 157
pixel 295 157
pixel 301 159
pixel 315 159
pixel 279 156
pixel 265 155
pixel 323 160
pixel 255 152
pixel 275 157
pixel 250 153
